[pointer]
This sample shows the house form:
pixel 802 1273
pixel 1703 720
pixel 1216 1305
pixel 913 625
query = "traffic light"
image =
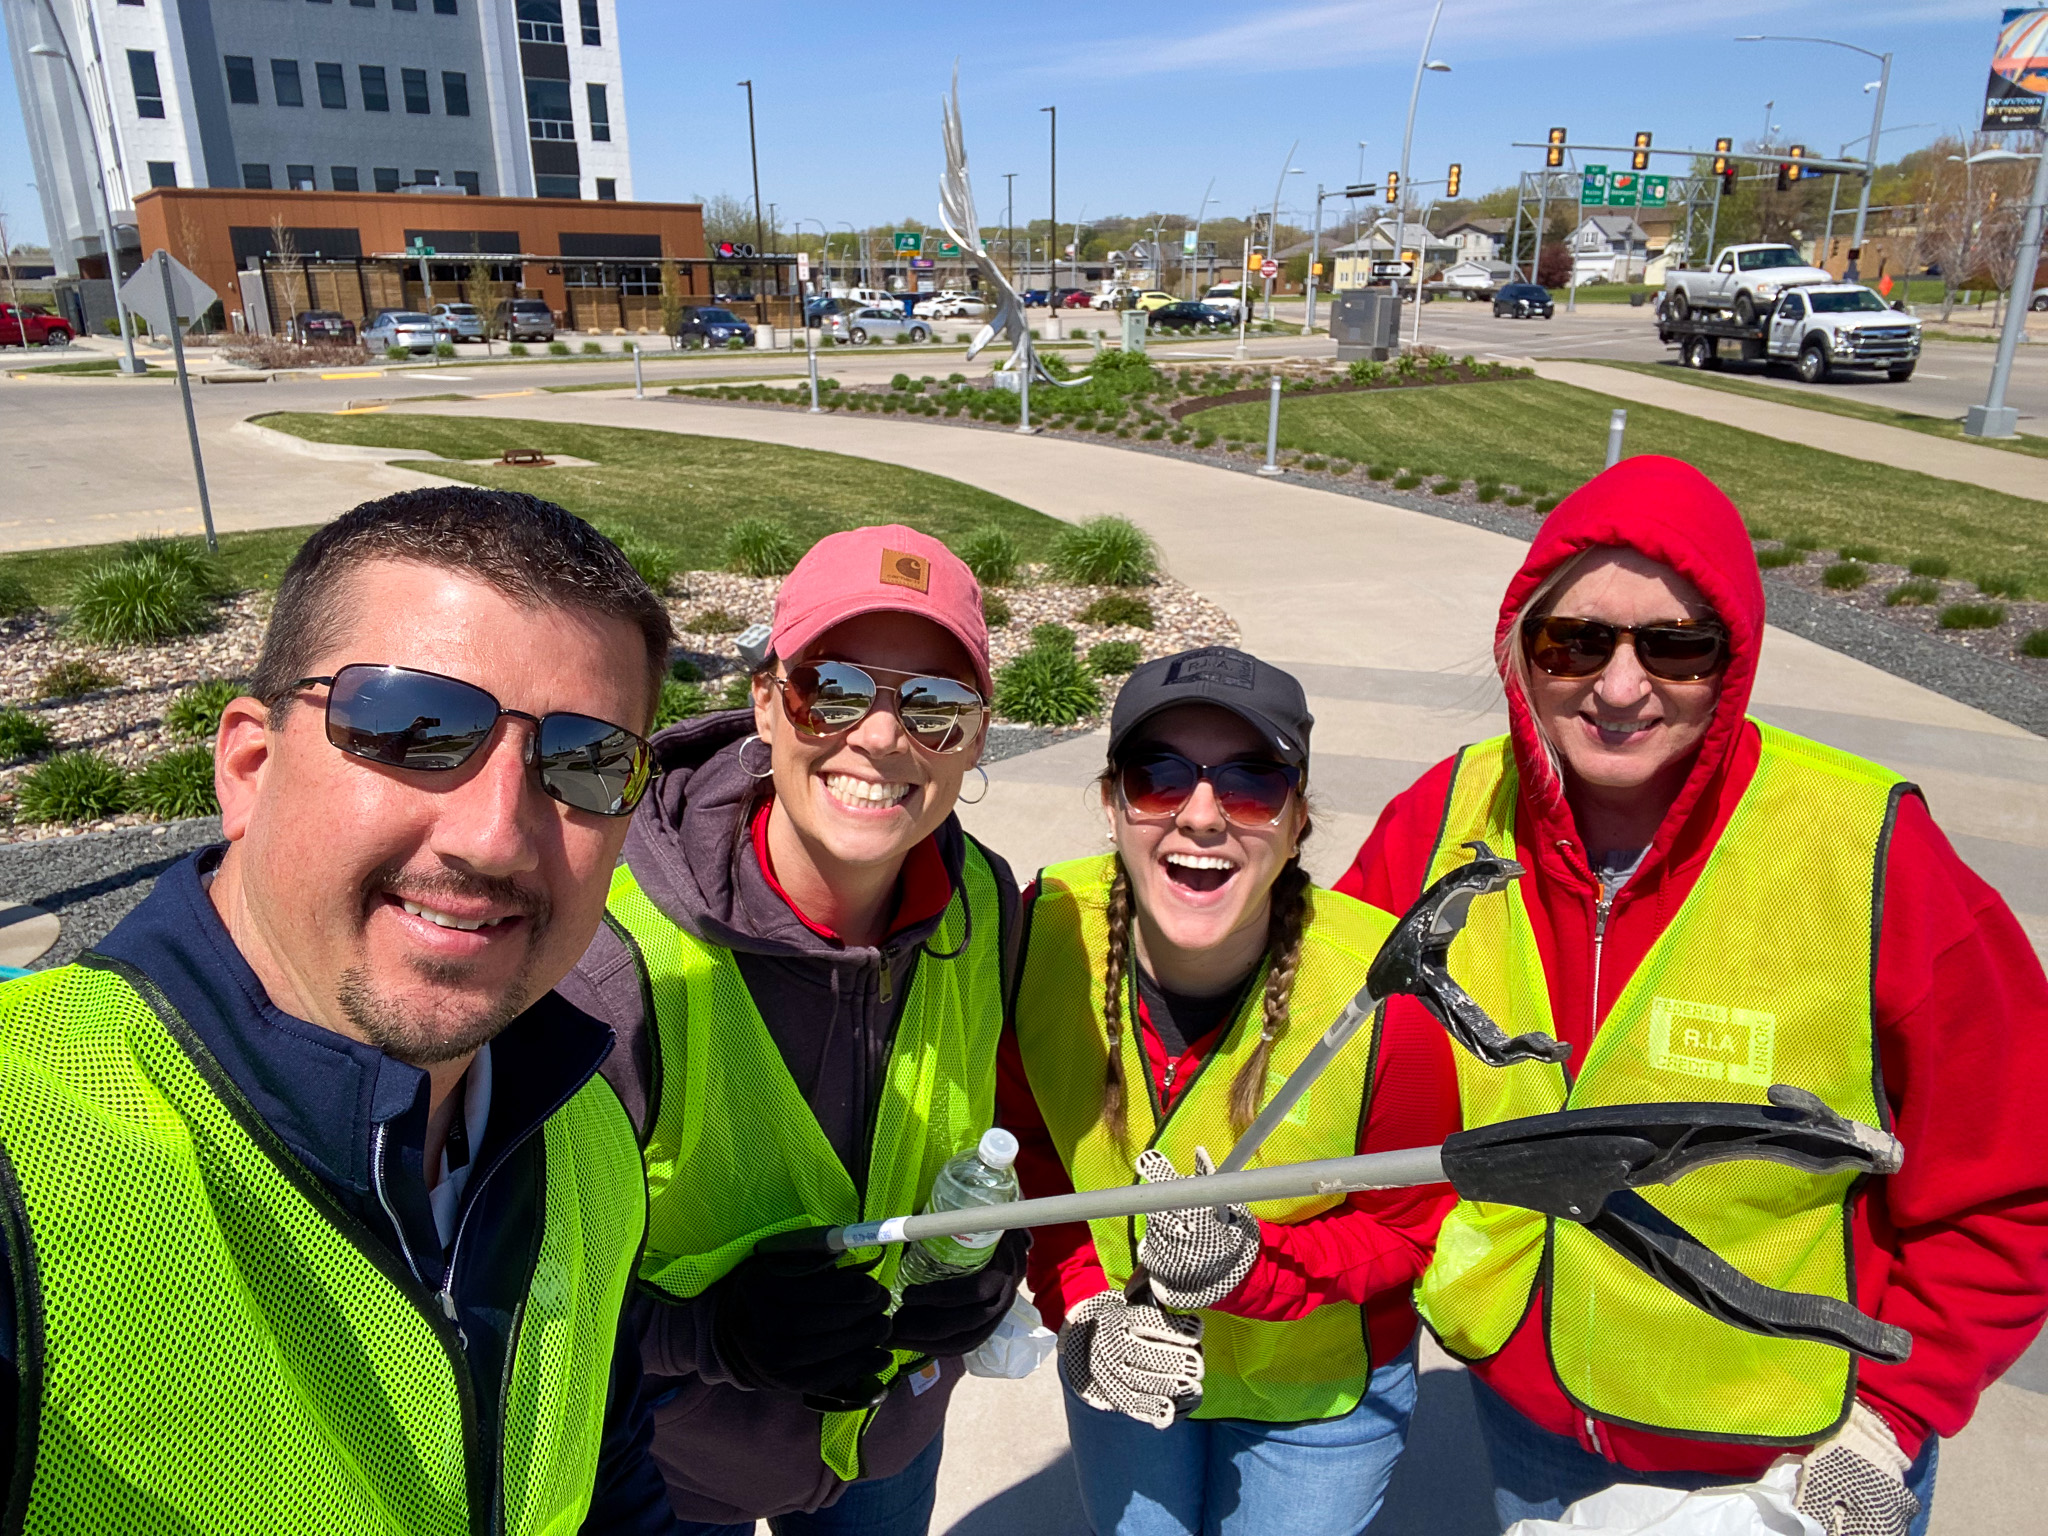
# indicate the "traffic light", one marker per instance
pixel 1641 161
pixel 1723 166
pixel 1784 176
pixel 1393 186
pixel 1554 156
pixel 1798 154
pixel 1451 181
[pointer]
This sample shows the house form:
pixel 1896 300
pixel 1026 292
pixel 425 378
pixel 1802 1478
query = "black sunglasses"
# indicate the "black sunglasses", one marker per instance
pixel 432 724
pixel 1683 651
pixel 1251 792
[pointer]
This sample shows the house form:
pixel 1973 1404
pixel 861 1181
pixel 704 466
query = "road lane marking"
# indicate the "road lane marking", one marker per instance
pixel 361 410
pixel 374 373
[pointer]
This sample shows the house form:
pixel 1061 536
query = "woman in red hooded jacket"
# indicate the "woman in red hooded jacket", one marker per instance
pixel 1713 906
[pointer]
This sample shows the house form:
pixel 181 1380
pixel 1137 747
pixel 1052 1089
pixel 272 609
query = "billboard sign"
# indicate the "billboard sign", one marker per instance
pixel 2019 71
pixel 922 263
pixel 1593 187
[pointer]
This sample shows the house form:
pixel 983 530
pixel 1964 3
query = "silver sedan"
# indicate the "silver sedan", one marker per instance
pixel 875 324
pixel 405 328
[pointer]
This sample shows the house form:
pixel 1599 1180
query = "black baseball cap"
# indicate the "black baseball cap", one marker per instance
pixel 1266 698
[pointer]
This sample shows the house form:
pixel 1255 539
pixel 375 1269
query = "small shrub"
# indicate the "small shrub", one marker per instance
pixel 1153 433
pixel 737 692
pixel 1179 435
pixel 16 601
pixel 761 546
pixel 715 621
pixel 22 735
pixel 1365 371
pixel 194 715
pixel 1052 637
pixel 1118 608
pixel 1516 500
pixel 1313 462
pixel 1803 542
pixel 1112 658
pixel 1917 592
pixel 186 555
pixel 956 378
pixel 1446 487
pixel 1545 503
pixel 442 349
pixel 72 786
pixel 1123 431
pixel 2035 644
pixel 1105 552
pixel 734 344
pixel 2002 586
pixel 1046 687
pixel 558 349
pixel 1936 566
pixel 902 338
pixel 657 567
pixel 1407 482
pixel 1772 559
pixel 593 348
pixel 1972 616
pixel 176 786
pixel 1379 472
pixel 138 599
pixel 1487 491
pixel 1204 437
pixel 69 679
pixel 517 349
pixel 991 553
pixel 684 670
pixel 396 354
pixel 679 701
pixel 1845 575
pixel 995 608
pixel 1869 554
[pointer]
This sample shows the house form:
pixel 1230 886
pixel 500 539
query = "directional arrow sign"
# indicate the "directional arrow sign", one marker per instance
pixel 143 293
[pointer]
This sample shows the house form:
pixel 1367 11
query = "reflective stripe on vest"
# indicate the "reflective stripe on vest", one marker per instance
pixel 735 1153
pixel 211 1345
pixel 1763 976
pixel 1315 1367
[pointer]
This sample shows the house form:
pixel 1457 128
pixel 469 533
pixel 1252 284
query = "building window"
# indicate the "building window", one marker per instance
pixel 255 177
pixel 131 2
pixel 149 95
pixel 284 83
pixel 444 7
pixel 387 175
pixel 376 98
pixel 540 21
pixel 241 79
pixel 455 92
pixel 363 5
pixel 470 183
pixel 344 177
pixel 600 115
pixel 163 173
pixel 547 110
pixel 300 178
pixel 607 190
pixel 405 5
pixel 557 186
pixel 333 88
pixel 593 30
pixel 426 178
pixel 415 83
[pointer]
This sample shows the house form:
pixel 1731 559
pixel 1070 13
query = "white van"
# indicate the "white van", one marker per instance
pixel 861 298
pixel 1228 297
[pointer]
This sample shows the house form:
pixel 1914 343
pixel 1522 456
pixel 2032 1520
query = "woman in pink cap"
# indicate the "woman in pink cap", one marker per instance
pixel 803 960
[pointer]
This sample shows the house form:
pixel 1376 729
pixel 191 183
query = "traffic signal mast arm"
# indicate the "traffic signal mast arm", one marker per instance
pixel 1809 163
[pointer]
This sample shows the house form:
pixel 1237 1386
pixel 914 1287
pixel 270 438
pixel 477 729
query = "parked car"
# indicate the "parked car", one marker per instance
pixel 1189 315
pixel 1228 297
pixel 406 328
pixel 875 323
pixel 952 306
pixel 1523 301
pixel 710 326
pixel 1074 298
pixel 926 302
pixel 31 325
pixel 524 320
pixel 1151 299
pixel 2040 300
pixel 323 325
pixel 1116 296
pixel 458 322
pixel 1034 298
pixel 878 298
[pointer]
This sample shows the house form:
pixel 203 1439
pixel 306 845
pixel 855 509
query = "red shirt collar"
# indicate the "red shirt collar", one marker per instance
pixel 922 889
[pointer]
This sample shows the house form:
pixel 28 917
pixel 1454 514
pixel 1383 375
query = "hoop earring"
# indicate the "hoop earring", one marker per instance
pixel 750 773
pixel 984 788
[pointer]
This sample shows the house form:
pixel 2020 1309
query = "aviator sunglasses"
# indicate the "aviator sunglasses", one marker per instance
pixel 1251 792
pixel 1683 651
pixel 433 724
pixel 829 698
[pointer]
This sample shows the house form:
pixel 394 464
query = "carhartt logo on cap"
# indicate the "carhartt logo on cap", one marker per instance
pixel 1231 668
pixel 903 570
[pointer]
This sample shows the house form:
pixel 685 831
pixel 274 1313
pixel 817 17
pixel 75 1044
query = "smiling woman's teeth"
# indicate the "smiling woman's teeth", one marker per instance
pixel 1200 861
pixel 1622 727
pixel 443 920
pixel 849 790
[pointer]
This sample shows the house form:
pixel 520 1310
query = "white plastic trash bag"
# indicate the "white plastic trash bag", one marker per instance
pixel 1762 1508
pixel 1018 1347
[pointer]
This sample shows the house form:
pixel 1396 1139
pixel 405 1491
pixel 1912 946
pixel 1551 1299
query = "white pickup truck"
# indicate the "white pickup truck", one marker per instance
pixel 1744 279
pixel 1817 328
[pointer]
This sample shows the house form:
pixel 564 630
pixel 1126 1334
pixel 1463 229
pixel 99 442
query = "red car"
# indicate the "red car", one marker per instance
pixel 44 328
pixel 1075 298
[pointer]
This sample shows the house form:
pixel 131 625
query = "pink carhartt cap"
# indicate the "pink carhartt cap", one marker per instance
pixel 890 569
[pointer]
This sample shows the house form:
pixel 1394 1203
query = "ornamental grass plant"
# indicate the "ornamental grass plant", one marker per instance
pixel 72 786
pixel 175 786
pixel 1105 552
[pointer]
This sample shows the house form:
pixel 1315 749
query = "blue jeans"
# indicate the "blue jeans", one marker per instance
pixel 1536 1474
pixel 885 1506
pixel 1240 1477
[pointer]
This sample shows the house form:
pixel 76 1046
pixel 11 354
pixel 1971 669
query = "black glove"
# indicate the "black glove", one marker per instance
pixel 800 1322
pixel 956 1316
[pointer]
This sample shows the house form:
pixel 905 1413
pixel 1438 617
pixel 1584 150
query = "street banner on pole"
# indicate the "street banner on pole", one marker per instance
pixel 1187 242
pixel 143 293
pixel 1593 187
pixel 2019 71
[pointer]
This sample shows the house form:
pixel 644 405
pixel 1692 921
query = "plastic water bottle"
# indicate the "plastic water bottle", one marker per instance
pixel 981 1177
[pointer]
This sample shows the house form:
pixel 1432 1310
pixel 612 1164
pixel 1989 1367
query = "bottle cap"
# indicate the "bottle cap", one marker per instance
pixel 998 1148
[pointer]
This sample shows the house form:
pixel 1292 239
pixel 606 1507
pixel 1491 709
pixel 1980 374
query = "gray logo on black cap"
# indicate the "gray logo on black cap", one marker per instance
pixel 1233 669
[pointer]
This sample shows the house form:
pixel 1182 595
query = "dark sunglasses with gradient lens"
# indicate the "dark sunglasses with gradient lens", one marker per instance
pixel 433 724
pixel 1684 651
pixel 829 698
pixel 1251 792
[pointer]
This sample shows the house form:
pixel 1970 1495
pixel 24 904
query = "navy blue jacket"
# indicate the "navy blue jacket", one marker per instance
pixel 333 1102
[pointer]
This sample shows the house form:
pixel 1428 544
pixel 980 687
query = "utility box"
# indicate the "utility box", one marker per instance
pixel 1137 324
pixel 1365 323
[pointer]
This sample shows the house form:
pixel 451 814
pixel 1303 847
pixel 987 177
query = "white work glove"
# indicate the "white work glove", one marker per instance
pixel 1132 1358
pixel 1197 1257
pixel 1854 1484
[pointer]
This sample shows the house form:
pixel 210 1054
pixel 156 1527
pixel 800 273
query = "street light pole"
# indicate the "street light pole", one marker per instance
pixel 1052 250
pixel 1287 169
pixel 1884 80
pixel 1200 213
pixel 1010 218
pixel 1422 63
pixel 1315 251
pixel 1994 418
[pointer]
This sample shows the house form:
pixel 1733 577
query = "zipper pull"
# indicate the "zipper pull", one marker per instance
pixel 888 983
pixel 448 1311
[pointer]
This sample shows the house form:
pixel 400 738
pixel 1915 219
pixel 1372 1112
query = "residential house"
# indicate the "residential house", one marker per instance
pixel 1352 264
pixel 1474 276
pixel 1479 239
pixel 1610 248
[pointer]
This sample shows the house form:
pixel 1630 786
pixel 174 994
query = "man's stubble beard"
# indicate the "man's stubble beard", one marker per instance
pixel 419 1041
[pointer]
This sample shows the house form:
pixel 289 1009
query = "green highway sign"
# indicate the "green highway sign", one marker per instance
pixel 1656 191
pixel 1593 187
pixel 948 248
pixel 1623 187
pixel 420 247
pixel 909 240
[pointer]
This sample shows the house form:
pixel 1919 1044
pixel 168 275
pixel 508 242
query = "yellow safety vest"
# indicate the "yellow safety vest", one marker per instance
pixel 1763 976
pixel 735 1154
pixel 1315 1367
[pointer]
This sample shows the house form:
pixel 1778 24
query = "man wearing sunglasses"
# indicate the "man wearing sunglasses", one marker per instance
pixel 804 962
pixel 318 1214
pixel 1715 906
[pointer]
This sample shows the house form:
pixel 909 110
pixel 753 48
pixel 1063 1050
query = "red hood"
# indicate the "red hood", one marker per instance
pixel 1669 511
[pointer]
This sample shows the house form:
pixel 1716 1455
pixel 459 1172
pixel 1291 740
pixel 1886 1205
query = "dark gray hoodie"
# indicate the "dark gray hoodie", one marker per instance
pixel 731 1454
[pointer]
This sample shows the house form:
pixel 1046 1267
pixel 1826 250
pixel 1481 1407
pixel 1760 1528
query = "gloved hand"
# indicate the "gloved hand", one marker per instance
pixel 956 1316
pixel 1854 1484
pixel 1133 1357
pixel 1195 1258
pixel 800 1322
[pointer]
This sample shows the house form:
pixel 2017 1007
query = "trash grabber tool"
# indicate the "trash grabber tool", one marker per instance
pixel 1581 1165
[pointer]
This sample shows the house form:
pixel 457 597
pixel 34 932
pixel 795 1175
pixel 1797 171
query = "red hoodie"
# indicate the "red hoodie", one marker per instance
pixel 1954 1248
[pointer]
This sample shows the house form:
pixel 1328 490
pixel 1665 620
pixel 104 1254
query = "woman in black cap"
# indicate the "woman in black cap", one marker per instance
pixel 1260 1374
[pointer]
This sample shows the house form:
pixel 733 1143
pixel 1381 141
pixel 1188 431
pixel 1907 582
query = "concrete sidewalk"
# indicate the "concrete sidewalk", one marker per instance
pixel 2016 474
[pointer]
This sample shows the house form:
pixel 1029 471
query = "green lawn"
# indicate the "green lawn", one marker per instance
pixel 1548 438
pixel 681 492
pixel 1834 405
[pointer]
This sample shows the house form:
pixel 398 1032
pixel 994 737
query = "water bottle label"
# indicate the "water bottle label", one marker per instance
pixel 977 1239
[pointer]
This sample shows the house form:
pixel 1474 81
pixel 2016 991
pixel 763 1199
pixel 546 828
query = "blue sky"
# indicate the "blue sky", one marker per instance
pixel 847 102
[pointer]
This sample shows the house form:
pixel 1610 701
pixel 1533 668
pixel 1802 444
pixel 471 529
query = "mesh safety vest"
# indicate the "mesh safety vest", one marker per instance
pixel 734 1153
pixel 1315 1367
pixel 209 1344
pixel 1763 976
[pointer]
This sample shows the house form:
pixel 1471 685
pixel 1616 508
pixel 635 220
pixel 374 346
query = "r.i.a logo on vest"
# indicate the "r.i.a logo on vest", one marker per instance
pixel 1734 1045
